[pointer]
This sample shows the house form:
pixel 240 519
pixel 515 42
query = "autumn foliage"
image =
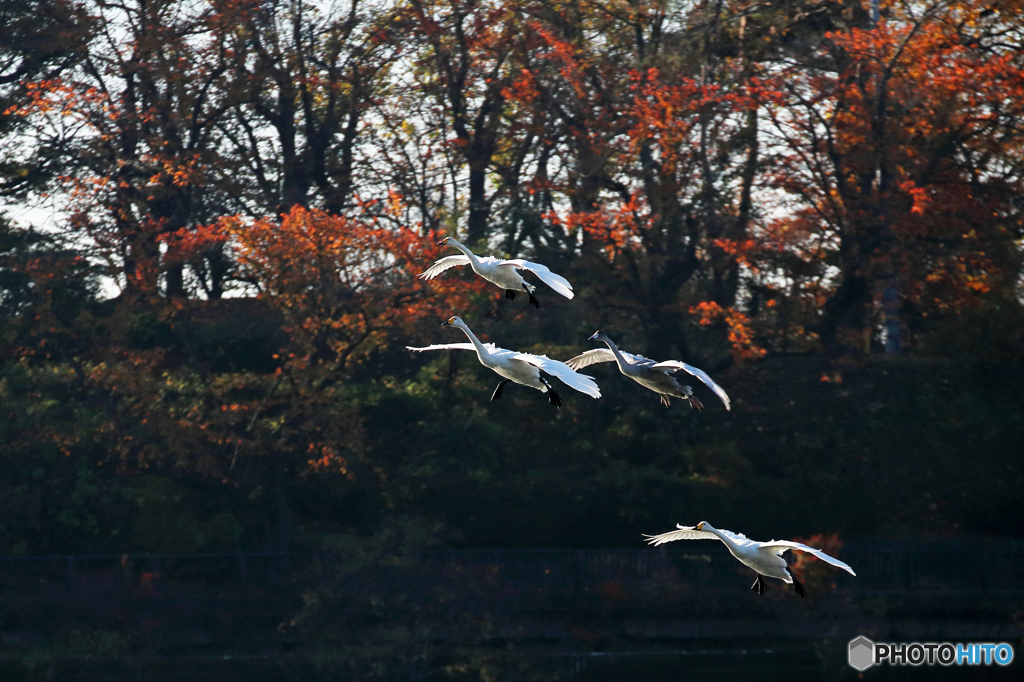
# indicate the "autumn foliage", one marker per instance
pixel 344 286
pixel 814 573
pixel 902 155
pixel 721 182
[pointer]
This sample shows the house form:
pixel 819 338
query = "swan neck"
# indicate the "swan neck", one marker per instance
pixel 481 350
pixel 721 536
pixel 465 249
pixel 621 361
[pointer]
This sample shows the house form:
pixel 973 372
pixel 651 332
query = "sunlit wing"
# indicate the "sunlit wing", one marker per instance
pixel 591 357
pixel 739 538
pixel 444 346
pixel 691 533
pixel 780 546
pixel 443 264
pixel 557 282
pixel 564 373
pixel 634 359
pixel 684 533
pixel 674 365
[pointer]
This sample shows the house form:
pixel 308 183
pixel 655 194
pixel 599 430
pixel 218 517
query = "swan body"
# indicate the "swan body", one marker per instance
pixel 764 557
pixel 527 369
pixel 503 273
pixel 657 376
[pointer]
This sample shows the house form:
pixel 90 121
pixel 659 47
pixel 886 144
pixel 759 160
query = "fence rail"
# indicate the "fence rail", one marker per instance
pixel 931 566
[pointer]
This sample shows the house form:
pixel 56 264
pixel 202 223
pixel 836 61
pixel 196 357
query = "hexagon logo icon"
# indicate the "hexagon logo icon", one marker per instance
pixel 862 653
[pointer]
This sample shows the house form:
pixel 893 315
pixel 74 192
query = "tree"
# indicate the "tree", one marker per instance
pixel 664 142
pixel 310 75
pixel 341 288
pixel 136 121
pixel 906 181
pixel 467 61
pixel 41 39
pixel 344 285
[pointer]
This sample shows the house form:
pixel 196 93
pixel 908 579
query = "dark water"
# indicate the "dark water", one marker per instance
pixel 581 616
pixel 822 662
pixel 769 667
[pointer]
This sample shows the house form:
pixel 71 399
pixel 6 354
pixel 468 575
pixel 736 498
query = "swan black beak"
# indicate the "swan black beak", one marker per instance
pixel 593 337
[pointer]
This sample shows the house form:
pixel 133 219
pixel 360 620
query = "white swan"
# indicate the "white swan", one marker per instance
pixel 530 370
pixel 648 373
pixel 763 557
pixel 503 273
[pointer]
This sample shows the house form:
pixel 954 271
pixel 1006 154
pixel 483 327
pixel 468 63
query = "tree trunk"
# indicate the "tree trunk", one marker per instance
pixel 479 208
pixel 174 280
pixel 217 265
pixel 664 334
pixel 845 316
pixel 891 311
pixel 282 528
pixel 727 279
pixel 294 180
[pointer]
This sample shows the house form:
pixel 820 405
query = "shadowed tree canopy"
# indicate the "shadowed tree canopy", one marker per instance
pixel 202 343
pixel 243 193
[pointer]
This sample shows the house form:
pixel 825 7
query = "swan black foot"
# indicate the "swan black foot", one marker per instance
pixel 797 586
pixel 759 585
pixel 510 295
pixel 497 391
pixel 533 299
pixel 552 396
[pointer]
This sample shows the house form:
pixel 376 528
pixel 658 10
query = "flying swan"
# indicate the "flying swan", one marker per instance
pixel 648 373
pixel 763 557
pixel 530 370
pixel 504 273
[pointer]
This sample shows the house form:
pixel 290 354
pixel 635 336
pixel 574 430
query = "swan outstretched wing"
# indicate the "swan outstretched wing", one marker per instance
pixel 592 357
pixel 444 346
pixel 674 365
pixel 557 282
pixel 691 533
pixel 780 546
pixel 564 373
pixel 639 360
pixel 443 264
pixel 738 538
pixel 684 533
